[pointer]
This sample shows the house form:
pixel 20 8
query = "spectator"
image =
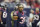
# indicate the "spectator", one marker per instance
pixel 17 1
pixel 11 0
pixel 36 4
pixel 1 0
pixel 6 0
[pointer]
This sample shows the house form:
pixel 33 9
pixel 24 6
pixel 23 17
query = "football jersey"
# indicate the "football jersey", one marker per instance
pixel 36 16
pixel 4 16
pixel 20 15
pixel 17 13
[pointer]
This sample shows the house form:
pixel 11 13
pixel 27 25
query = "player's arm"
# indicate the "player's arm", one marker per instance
pixel 30 18
pixel 15 17
pixel 0 16
pixel 0 19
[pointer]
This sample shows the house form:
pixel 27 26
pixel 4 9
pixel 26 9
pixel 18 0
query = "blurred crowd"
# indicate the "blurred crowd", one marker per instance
pixel 26 3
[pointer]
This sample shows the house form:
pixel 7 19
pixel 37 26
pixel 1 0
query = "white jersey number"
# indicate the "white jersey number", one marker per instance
pixel 4 14
pixel 36 17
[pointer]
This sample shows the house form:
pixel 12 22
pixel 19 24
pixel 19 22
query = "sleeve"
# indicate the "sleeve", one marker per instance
pixel 31 15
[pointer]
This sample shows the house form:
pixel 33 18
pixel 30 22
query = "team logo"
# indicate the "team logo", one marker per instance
pixel 4 14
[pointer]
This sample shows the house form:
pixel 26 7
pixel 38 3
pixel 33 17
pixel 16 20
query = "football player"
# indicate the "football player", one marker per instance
pixel 19 17
pixel 4 15
pixel 14 21
pixel 35 19
pixel 31 16
pixel 1 23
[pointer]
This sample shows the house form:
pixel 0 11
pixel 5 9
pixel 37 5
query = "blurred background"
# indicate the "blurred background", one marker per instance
pixel 26 3
pixel 11 5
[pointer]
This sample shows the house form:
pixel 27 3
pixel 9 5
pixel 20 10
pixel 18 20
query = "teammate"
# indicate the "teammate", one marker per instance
pixel 14 22
pixel 31 15
pixel 1 23
pixel 35 19
pixel 19 17
pixel 4 15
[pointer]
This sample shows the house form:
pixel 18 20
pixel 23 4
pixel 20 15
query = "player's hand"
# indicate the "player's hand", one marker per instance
pixel 21 22
pixel 38 23
pixel 1 22
pixel 21 18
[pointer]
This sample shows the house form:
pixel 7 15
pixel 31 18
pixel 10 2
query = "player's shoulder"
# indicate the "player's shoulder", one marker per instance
pixel 15 13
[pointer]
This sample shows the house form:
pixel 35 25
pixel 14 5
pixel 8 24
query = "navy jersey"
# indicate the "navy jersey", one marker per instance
pixel 4 16
pixel 36 16
pixel 20 15
pixel 21 18
pixel 36 19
